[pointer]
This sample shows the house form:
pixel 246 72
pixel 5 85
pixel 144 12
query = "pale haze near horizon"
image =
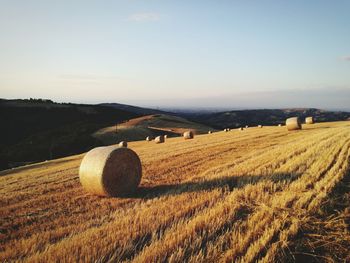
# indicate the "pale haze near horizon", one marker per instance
pixel 249 54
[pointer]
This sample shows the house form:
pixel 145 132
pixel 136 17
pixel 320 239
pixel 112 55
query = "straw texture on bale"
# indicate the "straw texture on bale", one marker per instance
pixel 293 124
pixel 110 171
pixel 159 139
pixel 188 135
pixel 123 144
pixel 309 120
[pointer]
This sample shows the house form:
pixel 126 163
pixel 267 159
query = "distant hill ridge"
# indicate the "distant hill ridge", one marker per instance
pixel 238 118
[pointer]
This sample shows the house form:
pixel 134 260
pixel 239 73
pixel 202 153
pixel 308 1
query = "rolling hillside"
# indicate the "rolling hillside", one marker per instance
pixel 151 125
pixel 240 118
pixel 259 194
pixel 36 130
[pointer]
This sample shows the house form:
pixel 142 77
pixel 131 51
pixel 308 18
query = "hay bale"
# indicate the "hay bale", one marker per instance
pixel 260 126
pixel 309 120
pixel 246 126
pixel 148 138
pixel 240 129
pixel 188 135
pixel 293 124
pixel 225 130
pixel 165 136
pixel 123 144
pixel 110 171
pixel 209 132
pixel 280 125
pixel 159 139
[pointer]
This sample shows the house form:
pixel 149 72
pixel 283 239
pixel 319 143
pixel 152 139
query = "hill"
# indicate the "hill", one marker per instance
pixel 240 118
pixel 36 130
pixel 259 194
pixel 150 125
pixel 134 109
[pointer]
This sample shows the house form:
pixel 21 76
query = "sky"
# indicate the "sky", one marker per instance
pixel 239 54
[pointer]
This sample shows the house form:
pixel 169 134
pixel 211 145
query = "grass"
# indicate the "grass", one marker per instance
pixel 263 195
pixel 151 125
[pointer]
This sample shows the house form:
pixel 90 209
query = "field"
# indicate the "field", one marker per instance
pixel 243 196
pixel 137 129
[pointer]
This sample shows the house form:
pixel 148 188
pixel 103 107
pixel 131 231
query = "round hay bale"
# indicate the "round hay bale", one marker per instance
pixel 123 144
pixel 246 126
pixel 260 126
pixel 159 139
pixel 148 138
pixel 110 171
pixel 209 132
pixel 293 124
pixel 165 136
pixel 188 135
pixel 309 120
pixel 225 130
pixel 240 129
pixel 280 125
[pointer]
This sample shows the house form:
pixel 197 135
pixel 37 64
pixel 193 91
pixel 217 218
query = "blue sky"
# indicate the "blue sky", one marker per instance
pixel 178 53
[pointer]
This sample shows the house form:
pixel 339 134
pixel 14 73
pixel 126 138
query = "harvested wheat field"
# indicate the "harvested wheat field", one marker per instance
pixel 265 194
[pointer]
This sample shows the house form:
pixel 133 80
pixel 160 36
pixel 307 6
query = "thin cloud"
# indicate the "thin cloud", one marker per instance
pixel 84 77
pixel 144 17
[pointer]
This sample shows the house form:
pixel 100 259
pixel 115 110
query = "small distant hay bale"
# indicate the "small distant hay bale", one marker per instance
pixel 260 126
pixel 280 125
pixel 188 135
pixel 240 129
pixel 209 132
pixel 123 144
pixel 110 171
pixel 159 139
pixel 293 123
pixel 165 136
pixel 309 120
pixel 246 126
pixel 148 138
pixel 226 130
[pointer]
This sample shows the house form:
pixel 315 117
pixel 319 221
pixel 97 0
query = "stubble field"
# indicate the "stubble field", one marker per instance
pixel 259 194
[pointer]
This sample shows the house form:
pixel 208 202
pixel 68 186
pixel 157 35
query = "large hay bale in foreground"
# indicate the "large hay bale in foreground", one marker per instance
pixel 293 123
pixel 188 135
pixel 159 139
pixel 309 120
pixel 110 171
pixel 123 144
